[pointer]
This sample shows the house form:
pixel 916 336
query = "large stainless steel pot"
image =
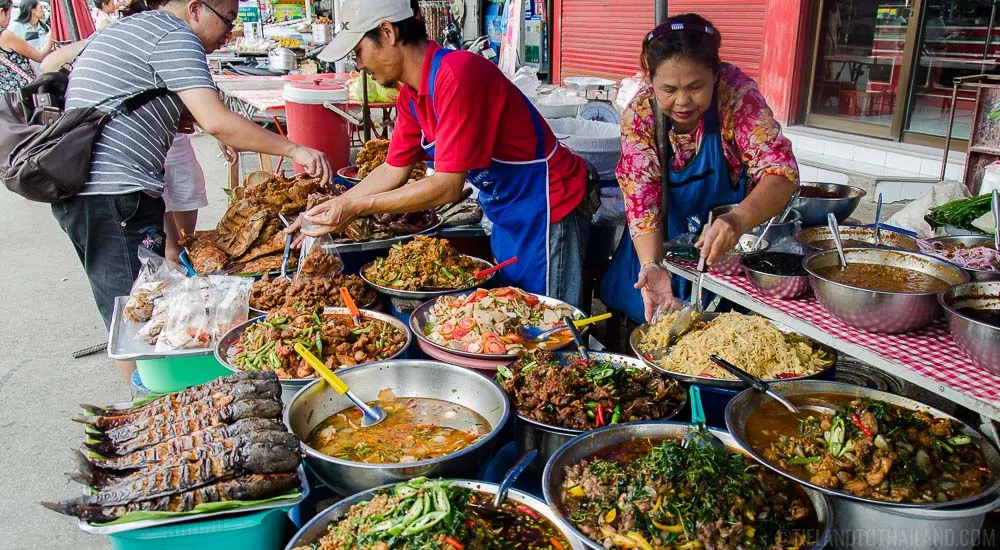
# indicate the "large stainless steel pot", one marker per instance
pixel 431 379
pixel 588 444
pixel 742 406
pixel 546 438
pixel 289 386
pixel 977 339
pixel 317 527
pixel 876 311
pixel 282 59
pixel 820 238
pixel 814 209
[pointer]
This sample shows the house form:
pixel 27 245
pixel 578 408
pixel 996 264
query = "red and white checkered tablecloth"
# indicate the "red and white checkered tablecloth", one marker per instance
pixel 930 351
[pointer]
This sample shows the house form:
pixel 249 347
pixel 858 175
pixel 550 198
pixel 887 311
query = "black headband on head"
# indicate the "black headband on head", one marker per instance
pixel 677 26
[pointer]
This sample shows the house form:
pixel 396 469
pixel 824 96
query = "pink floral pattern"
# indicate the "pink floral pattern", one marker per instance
pixel 750 136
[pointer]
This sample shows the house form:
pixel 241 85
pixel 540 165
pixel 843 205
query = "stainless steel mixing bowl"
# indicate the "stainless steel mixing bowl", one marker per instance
pixel 814 209
pixel 978 340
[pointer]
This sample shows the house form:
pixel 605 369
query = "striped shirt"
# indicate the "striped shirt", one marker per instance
pixel 150 50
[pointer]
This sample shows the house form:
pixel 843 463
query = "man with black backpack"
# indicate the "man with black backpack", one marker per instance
pixel 120 207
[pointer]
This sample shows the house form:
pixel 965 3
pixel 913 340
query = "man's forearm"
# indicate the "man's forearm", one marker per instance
pixel 382 179
pixel 244 135
pixel 430 192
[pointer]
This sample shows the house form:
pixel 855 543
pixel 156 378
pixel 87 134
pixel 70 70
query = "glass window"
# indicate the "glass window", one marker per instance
pixel 859 61
pixel 957 39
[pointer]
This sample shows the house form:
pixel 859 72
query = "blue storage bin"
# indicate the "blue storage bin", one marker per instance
pixel 260 530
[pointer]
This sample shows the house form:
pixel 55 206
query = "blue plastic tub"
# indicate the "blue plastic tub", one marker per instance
pixel 263 530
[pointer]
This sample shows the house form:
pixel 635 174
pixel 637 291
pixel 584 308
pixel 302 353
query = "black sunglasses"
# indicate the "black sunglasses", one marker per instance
pixel 230 23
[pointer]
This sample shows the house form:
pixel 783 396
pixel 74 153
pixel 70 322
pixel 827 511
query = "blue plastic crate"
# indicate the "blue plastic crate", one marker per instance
pixel 261 530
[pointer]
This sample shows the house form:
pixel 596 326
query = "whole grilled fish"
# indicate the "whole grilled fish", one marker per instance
pixel 263 409
pixel 251 487
pixel 250 408
pixel 207 436
pixel 258 453
pixel 239 391
pixel 182 477
pixel 190 395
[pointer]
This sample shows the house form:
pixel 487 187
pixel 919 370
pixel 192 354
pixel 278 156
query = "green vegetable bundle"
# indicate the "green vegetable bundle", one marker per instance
pixel 959 213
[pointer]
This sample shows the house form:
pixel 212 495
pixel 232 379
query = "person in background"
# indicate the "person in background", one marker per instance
pixel 31 26
pixel 16 54
pixel 459 110
pixel 184 192
pixel 102 13
pixel 726 148
pixel 121 208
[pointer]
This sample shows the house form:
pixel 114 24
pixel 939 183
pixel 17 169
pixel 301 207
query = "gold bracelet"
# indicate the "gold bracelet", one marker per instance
pixel 657 263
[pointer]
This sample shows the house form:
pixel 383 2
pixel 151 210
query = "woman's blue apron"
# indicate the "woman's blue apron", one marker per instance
pixel 691 191
pixel 515 197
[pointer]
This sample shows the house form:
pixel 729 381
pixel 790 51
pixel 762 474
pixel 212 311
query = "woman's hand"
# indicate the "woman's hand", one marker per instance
pixel 654 285
pixel 722 237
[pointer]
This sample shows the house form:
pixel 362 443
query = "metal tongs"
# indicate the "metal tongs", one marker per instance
pixel 688 316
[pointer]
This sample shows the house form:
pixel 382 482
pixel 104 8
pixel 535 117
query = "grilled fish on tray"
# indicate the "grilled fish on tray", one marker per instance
pixel 251 487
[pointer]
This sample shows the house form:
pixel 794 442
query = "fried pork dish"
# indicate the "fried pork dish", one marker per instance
pixel 269 344
pixel 423 263
pixel 437 515
pixel 220 441
pixel 309 294
pixel 872 449
pixel 660 494
pixel 572 394
pixel 249 237
pixel 373 154
pixel 379 226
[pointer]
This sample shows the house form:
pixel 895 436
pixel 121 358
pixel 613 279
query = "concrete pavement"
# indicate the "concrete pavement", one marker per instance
pixel 48 313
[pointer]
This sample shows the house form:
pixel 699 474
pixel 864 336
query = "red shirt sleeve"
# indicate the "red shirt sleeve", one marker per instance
pixel 404 147
pixel 468 118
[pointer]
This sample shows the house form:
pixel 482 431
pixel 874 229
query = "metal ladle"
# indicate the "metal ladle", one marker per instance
pixel 878 221
pixel 831 221
pixel 371 415
pixel 698 419
pixel 689 315
pixel 764 387
pixel 996 219
pixel 780 219
pixel 515 471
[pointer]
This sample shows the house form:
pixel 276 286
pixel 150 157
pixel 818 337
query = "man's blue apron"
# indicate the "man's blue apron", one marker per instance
pixel 692 191
pixel 515 197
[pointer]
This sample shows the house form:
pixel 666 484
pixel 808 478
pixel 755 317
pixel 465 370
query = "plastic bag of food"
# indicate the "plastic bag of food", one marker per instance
pixel 155 276
pixel 319 256
pixel 230 303
pixel 188 319
pixel 150 332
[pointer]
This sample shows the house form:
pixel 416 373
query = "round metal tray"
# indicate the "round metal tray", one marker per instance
pixel 425 294
pixel 741 407
pixel 224 346
pixel 350 173
pixel 650 359
pixel 419 317
pixel 371 306
pixel 377 244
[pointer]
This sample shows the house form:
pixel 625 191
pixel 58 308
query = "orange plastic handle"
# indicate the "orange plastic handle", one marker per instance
pixel 351 306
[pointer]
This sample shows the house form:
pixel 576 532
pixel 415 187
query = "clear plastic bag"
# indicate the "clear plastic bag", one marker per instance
pixel 319 256
pixel 188 319
pixel 230 303
pixel 155 277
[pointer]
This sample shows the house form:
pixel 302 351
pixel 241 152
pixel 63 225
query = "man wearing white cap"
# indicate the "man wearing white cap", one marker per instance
pixel 459 111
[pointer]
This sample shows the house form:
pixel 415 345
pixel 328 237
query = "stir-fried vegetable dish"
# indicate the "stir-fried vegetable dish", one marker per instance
pixel 577 395
pixel 269 344
pixel 421 264
pixel 872 449
pixel 660 494
pixel 415 428
pixel 486 321
pixel 437 515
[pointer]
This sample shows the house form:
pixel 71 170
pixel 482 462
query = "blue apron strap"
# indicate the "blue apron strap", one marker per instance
pixel 432 76
pixel 536 121
pixel 413 110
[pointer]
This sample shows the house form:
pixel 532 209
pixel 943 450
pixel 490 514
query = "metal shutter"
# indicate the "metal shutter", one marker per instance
pixel 741 24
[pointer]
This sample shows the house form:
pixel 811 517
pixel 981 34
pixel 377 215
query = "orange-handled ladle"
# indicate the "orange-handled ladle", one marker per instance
pixel 351 306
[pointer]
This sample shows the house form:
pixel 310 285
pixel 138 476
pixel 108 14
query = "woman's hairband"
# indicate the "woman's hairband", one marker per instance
pixel 671 27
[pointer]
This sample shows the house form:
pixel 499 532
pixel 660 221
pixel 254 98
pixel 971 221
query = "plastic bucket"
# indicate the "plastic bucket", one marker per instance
pixel 264 529
pixel 176 373
pixel 311 124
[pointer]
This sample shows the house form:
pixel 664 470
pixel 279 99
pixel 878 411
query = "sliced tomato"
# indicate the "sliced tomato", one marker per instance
pixel 494 346
pixel 530 299
pixel 459 333
pixel 447 329
pixel 467 323
pixel 503 291
pixel 513 338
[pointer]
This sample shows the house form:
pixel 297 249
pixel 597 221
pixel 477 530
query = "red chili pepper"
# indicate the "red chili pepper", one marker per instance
pixel 985 470
pixel 857 422
pixel 599 414
pixel 555 543
pixel 527 511
pixel 454 543
pixel 470 524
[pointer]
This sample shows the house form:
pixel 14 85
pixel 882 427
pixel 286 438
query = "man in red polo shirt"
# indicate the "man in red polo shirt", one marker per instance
pixel 458 110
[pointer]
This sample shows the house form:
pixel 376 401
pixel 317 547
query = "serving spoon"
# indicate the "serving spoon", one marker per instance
pixel 513 473
pixel 764 387
pixel 689 315
pixel 780 219
pixel 581 344
pixel 535 335
pixel 831 221
pixel 878 221
pixel 698 419
pixel 371 414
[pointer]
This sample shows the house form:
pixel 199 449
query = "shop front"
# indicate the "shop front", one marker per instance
pixel 885 68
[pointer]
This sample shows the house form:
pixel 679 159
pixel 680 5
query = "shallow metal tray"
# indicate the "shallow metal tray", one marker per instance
pixel 651 358
pixel 426 294
pixel 125 345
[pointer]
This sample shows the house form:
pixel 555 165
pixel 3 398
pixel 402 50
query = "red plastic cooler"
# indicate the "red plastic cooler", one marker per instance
pixel 311 124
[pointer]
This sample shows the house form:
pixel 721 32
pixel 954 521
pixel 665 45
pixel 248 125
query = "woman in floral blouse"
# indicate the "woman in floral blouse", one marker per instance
pixel 726 148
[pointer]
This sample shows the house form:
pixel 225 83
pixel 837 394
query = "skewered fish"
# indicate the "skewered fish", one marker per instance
pixel 170 480
pixel 258 453
pixel 240 391
pixel 228 411
pixel 251 487
pixel 183 397
pixel 254 408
